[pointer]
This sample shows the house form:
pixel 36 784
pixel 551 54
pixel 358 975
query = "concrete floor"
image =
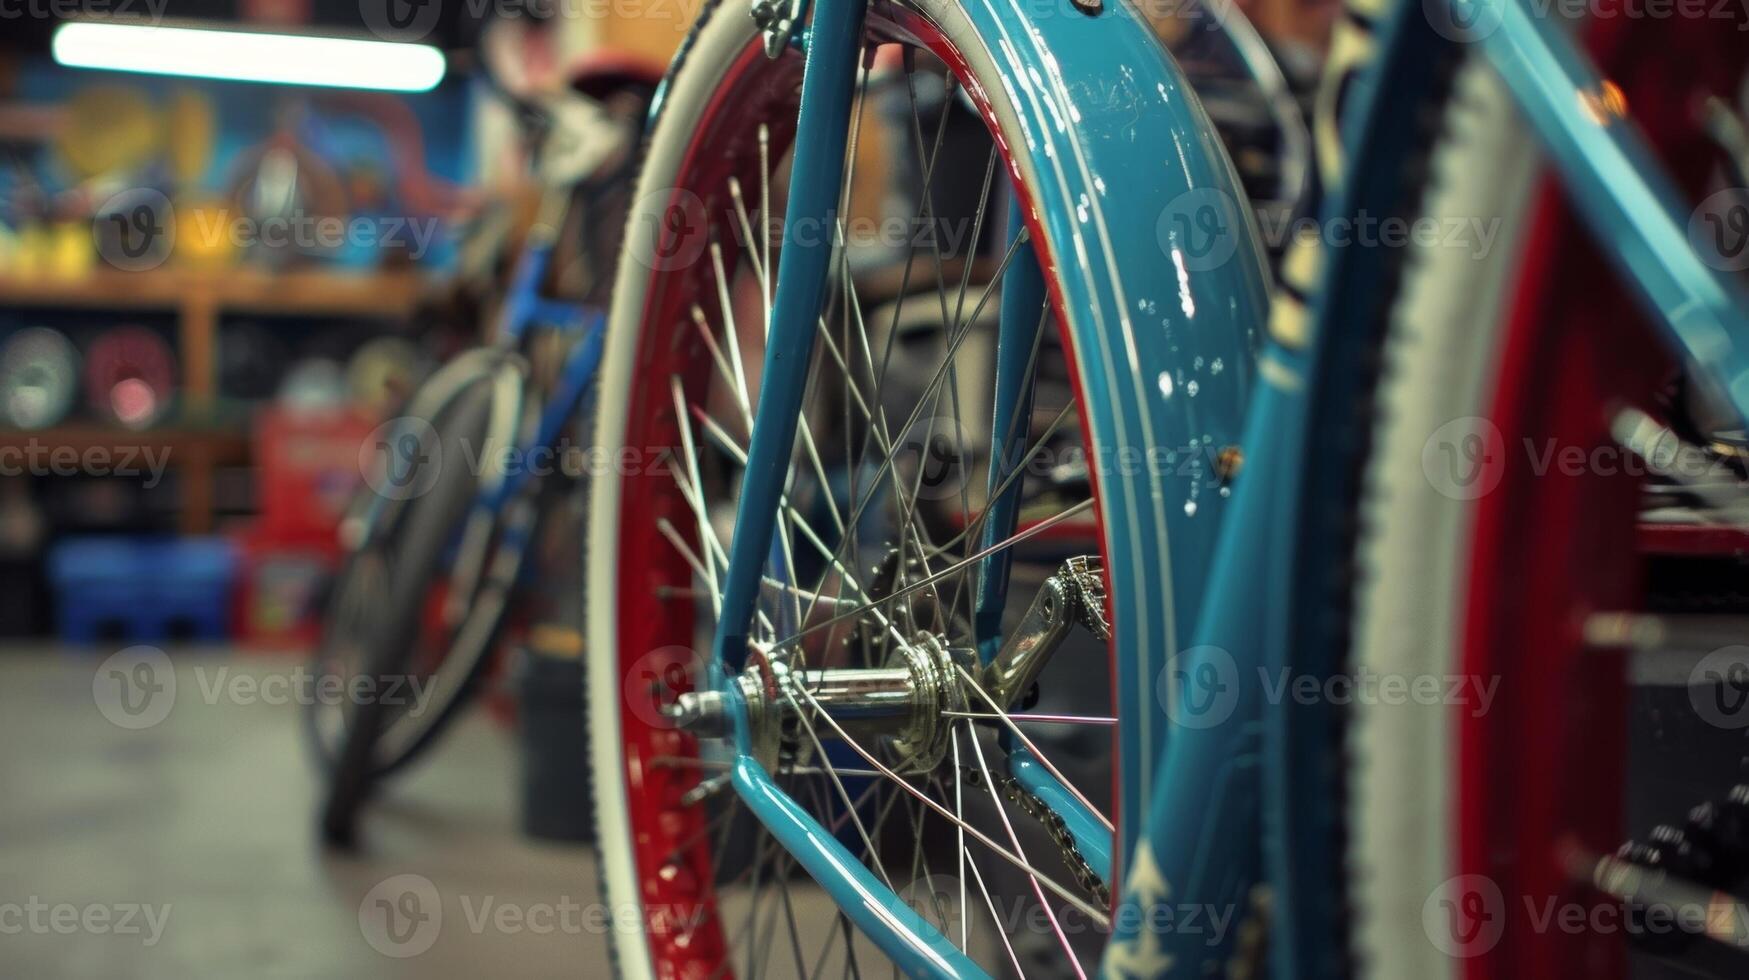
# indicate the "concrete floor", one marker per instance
pixel 185 849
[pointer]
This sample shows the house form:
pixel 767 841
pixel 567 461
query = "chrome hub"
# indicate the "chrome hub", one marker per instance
pixel 912 703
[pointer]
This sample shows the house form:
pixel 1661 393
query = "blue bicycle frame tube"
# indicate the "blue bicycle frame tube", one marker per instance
pixel 1622 192
pixel 524 306
pixel 574 380
pixel 915 946
pixel 524 293
pixel 828 85
pixel 1023 297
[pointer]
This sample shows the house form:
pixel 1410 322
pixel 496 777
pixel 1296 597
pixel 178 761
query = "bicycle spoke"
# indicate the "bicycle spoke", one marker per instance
pixel 1038 892
pixel 740 456
pixel 989 902
pixel 1046 881
pixel 1011 541
pixel 1033 719
pixel 972 684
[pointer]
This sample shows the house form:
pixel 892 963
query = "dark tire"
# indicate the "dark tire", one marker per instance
pixel 416 543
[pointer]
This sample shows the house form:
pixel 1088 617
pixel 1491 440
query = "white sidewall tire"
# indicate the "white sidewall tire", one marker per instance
pixel 1412 558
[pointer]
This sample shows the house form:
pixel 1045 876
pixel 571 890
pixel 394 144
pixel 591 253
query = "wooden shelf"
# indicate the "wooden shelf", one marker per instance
pixel 198 299
pixel 193 451
pixel 303 293
pixel 224 445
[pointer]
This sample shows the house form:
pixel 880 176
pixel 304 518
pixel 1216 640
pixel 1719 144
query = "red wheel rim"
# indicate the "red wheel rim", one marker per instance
pixel 656 628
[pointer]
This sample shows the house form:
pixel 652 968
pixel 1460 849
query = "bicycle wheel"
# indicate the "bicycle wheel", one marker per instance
pixel 886 495
pixel 397 682
pixel 1487 508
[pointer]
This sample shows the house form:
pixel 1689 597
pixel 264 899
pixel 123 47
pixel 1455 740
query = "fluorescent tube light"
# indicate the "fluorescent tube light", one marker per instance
pixel 288 59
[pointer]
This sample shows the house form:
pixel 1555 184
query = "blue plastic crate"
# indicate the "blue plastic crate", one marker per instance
pixel 144 589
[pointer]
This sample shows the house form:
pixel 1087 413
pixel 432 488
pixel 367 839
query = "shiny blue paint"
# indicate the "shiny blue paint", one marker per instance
pixel 1023 297
pixel 1121 162
pixel 1203 829
pixel 1219 822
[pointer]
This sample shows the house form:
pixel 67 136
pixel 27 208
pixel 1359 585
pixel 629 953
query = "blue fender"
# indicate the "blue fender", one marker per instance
pixel 1142 217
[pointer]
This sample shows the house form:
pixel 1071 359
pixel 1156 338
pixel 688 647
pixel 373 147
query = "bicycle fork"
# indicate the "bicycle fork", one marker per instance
pixel 831 46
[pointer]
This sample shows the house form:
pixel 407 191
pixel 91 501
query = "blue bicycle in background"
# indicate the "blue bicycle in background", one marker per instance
pixel 458 483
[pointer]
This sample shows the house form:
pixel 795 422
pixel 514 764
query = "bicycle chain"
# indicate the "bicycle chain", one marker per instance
pixel 1087 578
pixel 1088 582
pixel 1037 809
